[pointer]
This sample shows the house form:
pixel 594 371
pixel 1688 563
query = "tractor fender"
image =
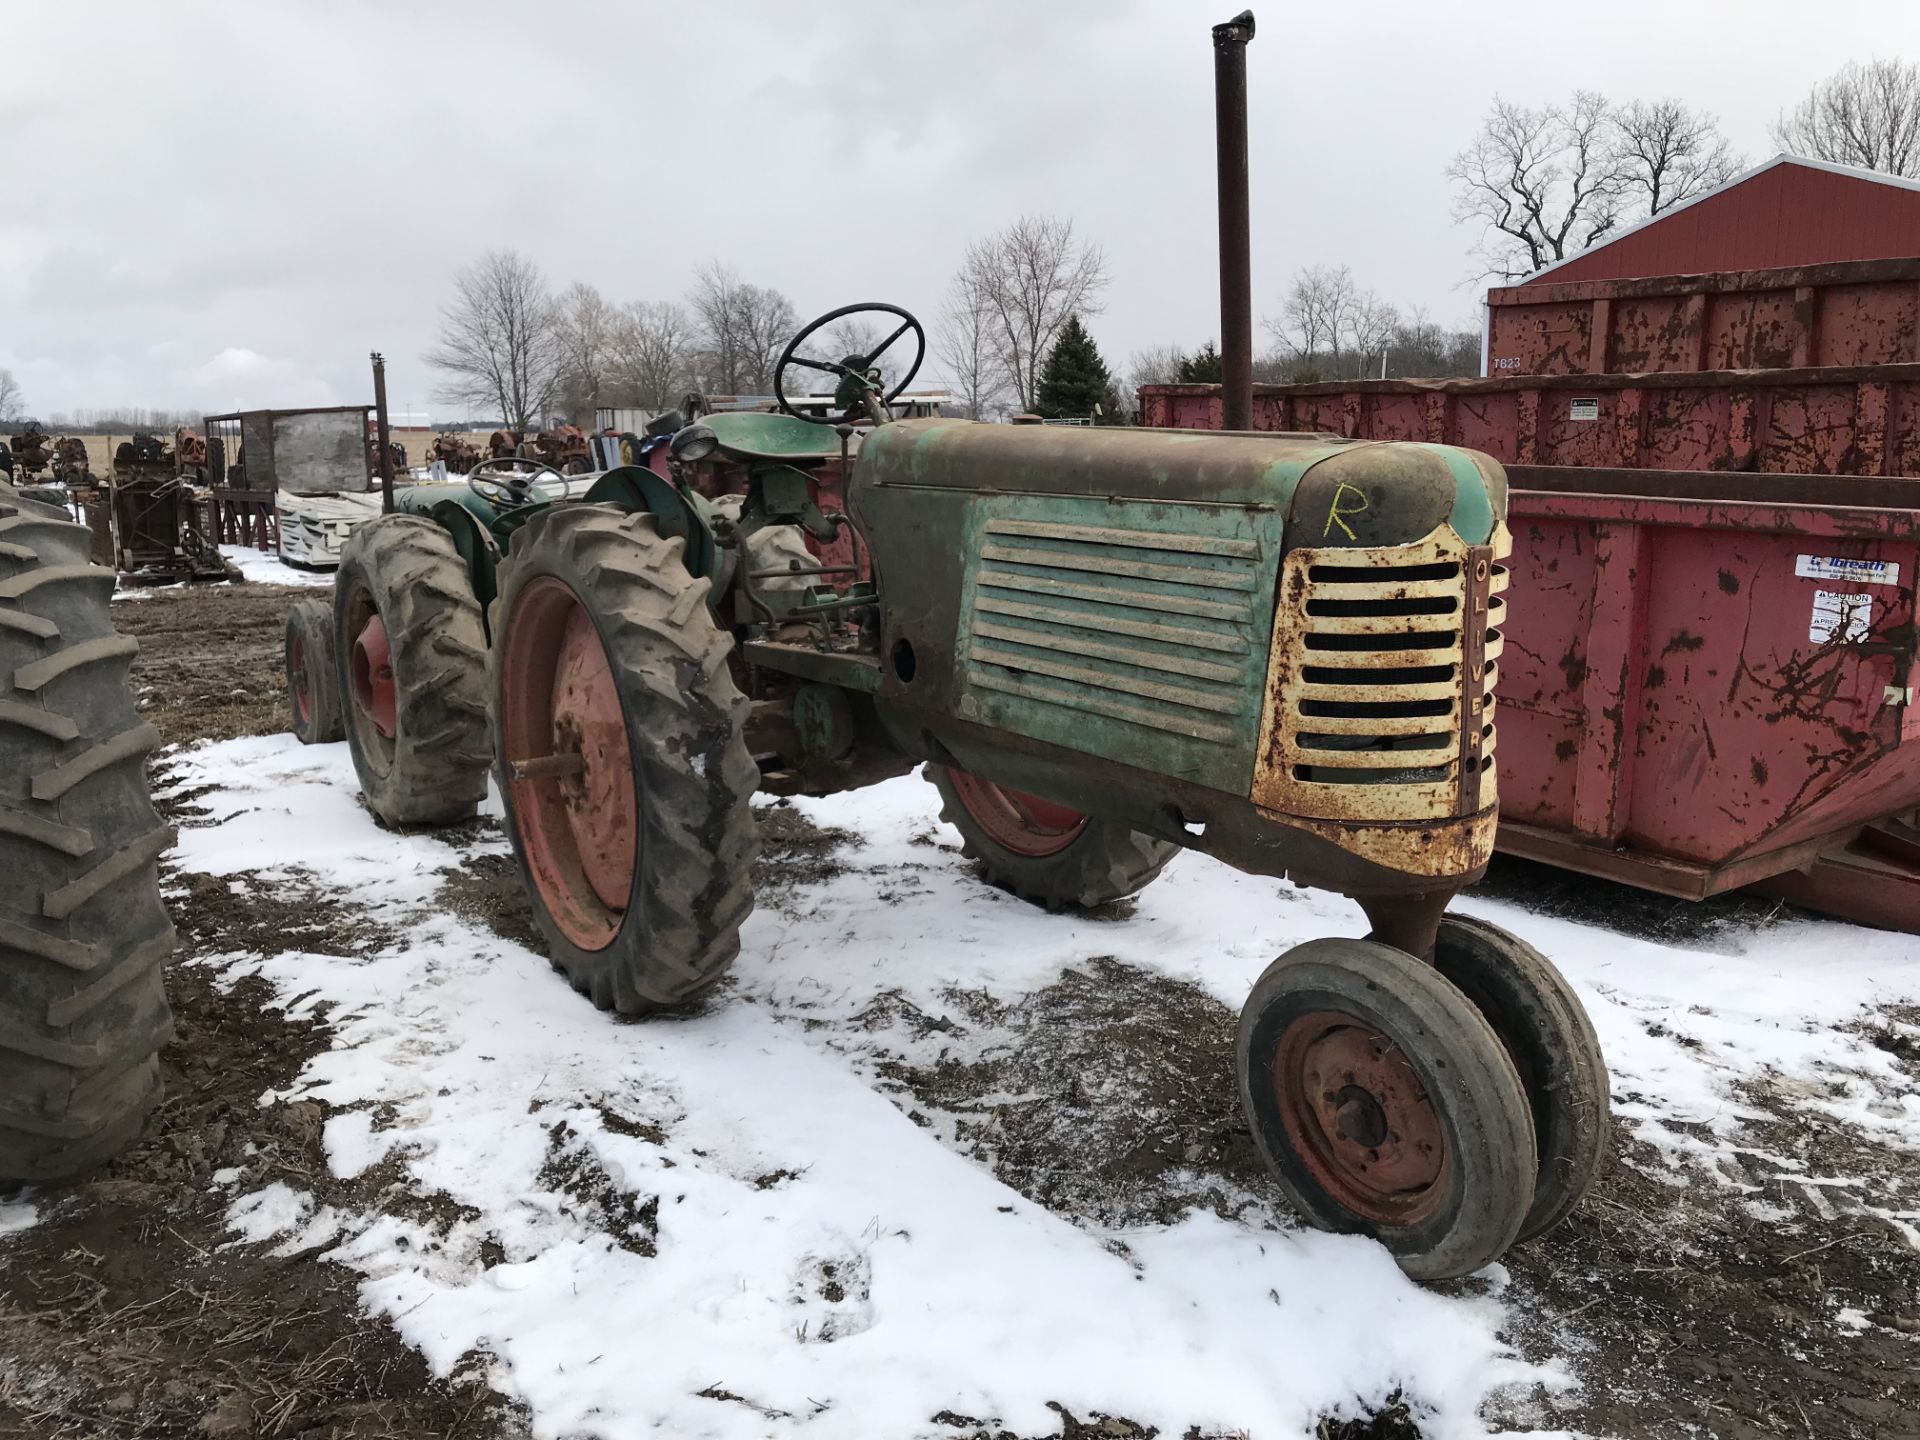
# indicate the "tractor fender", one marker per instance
pixel 479 551
pixel 675 512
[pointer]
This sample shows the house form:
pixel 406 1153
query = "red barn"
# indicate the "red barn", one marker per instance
pixel 1787 211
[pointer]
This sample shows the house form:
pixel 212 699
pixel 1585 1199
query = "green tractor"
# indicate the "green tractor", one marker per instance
pixel 1103 645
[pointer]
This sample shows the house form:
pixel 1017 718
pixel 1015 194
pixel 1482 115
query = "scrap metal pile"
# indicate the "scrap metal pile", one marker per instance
pixel 150 524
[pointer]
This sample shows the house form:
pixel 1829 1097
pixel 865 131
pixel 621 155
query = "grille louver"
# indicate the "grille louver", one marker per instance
pixel 1152 629
pixel 1381 689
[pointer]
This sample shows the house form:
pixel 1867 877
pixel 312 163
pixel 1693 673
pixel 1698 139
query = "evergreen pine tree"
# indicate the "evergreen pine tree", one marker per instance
pixel 1202 367
pixel 1075 383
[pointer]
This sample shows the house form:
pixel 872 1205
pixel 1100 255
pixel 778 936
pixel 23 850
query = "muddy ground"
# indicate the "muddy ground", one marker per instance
pixel 210 664
pixel 121 1315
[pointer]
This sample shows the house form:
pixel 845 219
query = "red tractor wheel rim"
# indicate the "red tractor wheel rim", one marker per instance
pixel 302 687
pixel 1358 1116
pixel 578 823
pixel 373 690
pixel 1015 820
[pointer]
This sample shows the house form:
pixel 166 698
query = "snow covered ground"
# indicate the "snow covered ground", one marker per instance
pixel 264 567
pixel 734 1224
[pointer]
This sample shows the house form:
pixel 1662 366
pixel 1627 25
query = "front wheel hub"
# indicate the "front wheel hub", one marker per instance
pixel 373 690
pixel 1357 1115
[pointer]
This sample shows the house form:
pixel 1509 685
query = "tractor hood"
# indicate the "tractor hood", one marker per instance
pixel 1332 492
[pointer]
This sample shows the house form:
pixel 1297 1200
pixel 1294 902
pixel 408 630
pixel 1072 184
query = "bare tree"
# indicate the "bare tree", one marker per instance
pixel 1866 115
pixel 10 400
pixel 583 324
pixel 1669 153
pixel 1157 365
pixel 742 330
pixel 1543 184
pixel 649 347
pixel 499 346
pixel 1420 347
pixel 1370 325
pixel 1317 312
pixel 1030 277
pixel 964 345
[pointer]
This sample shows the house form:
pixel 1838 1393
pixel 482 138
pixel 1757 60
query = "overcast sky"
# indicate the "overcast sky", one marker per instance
pixel 229 205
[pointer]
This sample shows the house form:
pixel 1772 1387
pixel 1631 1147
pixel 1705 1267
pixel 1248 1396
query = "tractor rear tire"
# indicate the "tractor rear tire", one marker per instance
pixel 1384 1105
pixel 313 686
pixel 1054 857
pixel 1551 1041
pixel 410 660
pixel 83 932
pixel 635 839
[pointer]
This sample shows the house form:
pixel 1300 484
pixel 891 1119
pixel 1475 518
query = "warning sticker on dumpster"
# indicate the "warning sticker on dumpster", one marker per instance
pixel 1842 567
pixel 1839 616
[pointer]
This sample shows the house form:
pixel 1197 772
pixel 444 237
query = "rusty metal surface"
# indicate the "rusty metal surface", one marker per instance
pixel 243 517
pixel 1865 313
pixel 1378 704
pixel 1855 420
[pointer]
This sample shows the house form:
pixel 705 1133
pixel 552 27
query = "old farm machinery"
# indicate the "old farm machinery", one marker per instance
pixel 83 932
pixel 1104 646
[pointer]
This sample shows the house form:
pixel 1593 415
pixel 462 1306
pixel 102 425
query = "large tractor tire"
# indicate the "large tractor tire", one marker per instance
pixel 1042 852
pixel 622 758
pixel 313 682
pixel 411 660
pixel 83 933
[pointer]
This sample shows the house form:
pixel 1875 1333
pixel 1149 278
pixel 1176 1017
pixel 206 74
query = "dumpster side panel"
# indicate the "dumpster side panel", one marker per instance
pixel 1761 701
pixel 1749 330
pixel 1859 421
pixel 1851 313
pixel 1658 333
pixel 1543 671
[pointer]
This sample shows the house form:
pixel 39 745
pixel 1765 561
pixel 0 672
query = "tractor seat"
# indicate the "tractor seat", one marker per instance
pixel 758 435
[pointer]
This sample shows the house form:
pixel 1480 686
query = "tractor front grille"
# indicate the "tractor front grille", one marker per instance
pixel 1380 683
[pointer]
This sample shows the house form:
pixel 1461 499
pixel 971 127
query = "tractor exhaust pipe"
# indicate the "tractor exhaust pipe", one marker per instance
pixel 381 433
pixel 1236 243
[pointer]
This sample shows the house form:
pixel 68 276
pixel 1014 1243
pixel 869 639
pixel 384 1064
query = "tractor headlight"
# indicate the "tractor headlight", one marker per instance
pixel 693 444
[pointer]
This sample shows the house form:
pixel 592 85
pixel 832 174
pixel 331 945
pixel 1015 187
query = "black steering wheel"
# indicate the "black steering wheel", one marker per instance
pixel 851 366
pixel 489 480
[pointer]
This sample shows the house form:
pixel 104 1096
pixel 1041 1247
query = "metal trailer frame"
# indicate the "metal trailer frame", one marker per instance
pixel 249 515
pixel 256 429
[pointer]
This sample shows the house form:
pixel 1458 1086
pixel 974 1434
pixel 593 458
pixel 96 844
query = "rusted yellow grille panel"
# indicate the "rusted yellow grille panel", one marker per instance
pixel 1379 703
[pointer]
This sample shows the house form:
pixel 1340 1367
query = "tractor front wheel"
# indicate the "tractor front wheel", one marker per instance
pixel 1551 1041
pixel 313 693
pixel 410 663
pixel 622 758
pixel 1385 1105
pixel 1043 852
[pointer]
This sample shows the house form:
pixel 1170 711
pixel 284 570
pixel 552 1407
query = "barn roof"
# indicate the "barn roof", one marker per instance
pixel 1790 210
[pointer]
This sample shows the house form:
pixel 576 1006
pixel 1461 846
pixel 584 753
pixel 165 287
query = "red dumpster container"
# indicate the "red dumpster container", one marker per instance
pixel 1707 680
pixel 1857 313
pixel 1860 420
